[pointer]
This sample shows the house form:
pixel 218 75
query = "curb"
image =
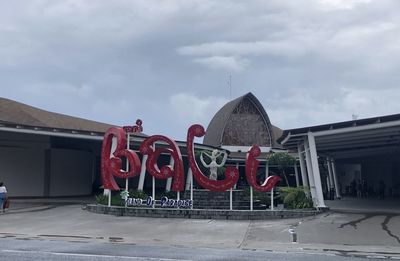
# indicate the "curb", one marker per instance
pixel 200 213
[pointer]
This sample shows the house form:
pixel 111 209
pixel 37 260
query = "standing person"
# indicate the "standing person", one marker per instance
pixel 353 188
pixel 359 189
pixel 381 189
pixel 3 195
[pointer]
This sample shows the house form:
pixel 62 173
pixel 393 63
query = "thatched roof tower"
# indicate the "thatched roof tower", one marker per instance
pixel 242 122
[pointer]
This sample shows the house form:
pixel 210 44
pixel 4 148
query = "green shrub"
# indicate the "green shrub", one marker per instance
pixel 262 196
pixel 101 199
pixel 168 194
pixel 283 161
pixel 135 193
pixel 295 198
pixel 290 200
pixel 116 200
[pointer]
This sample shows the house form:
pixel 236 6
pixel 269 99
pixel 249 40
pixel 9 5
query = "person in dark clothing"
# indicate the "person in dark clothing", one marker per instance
pixel 353 188
pixel 381 189
pixel 359 189
pixel 3 196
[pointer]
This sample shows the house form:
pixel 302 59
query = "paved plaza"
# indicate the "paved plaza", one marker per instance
pixel 340 231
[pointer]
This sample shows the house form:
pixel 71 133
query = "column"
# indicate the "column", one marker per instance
pixel 330 175
pixel 142 173
pixel 169 180
pixel 304 178
pixel 296 173
pixel 310 172
pixel 189 179
pixel 335 179
pixel 315 170
pixel 328 187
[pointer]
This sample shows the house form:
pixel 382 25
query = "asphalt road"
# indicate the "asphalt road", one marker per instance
pixel 33 249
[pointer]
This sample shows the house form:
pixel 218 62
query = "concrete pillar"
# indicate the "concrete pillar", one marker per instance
pixel 310 172
pixel 304 178
pixel 142 173
pixel 315 168
pixel 330 175
pixel 169 180
pixel 328 185
pixel 332 186
pixel 335 179
pixel 296 173
pixel 189 179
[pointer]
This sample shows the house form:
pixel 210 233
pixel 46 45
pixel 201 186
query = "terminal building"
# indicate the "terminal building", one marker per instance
pixel 46 154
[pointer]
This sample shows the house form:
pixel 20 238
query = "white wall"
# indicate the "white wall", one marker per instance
pixel 22 170
pixel 70 172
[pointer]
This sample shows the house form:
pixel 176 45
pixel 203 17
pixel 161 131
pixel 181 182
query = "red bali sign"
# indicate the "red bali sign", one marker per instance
pixel 112 163
pixel 231 173
pixel 251 171
pixel 167 171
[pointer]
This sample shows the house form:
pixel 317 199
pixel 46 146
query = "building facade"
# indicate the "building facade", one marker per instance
pixel 45 154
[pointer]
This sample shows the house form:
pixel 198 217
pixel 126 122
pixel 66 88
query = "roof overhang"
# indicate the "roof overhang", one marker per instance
pixel 52 132
pixel 379 135
pixel 82 134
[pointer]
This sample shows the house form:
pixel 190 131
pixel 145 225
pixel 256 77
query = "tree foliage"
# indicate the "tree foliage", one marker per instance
pixel 283 161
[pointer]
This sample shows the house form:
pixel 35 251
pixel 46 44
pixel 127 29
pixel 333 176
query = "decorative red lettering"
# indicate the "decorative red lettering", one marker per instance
pixel 251 171
pixel 231 173
pixel 166 171
pixel 111 162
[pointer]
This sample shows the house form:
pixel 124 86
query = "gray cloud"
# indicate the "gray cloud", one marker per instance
pixel 168 62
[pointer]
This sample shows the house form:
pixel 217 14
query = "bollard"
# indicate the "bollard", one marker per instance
pixel 293 234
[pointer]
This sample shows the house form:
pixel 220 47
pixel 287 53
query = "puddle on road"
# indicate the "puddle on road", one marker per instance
pixel 66 236
pixel 115 239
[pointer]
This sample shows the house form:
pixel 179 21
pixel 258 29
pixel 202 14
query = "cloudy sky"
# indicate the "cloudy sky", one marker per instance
pixel 168 62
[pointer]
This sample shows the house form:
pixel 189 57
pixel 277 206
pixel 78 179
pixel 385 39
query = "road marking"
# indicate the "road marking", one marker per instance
pixel 93 255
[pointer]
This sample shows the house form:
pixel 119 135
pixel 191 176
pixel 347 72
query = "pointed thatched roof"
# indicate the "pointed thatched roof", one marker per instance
pixel 242 122
pixel 12 112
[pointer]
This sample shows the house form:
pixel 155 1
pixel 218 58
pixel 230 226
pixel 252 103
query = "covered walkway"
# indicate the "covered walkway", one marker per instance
pixel 354 205
pixel 359 158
